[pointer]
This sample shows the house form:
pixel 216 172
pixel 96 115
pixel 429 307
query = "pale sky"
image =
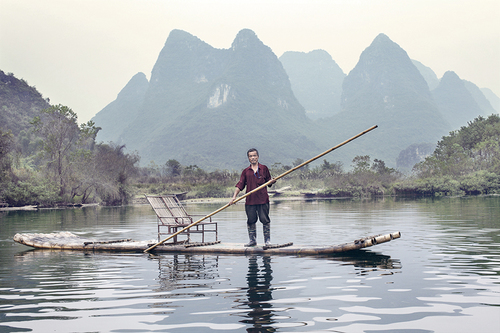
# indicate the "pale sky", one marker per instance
pixel 81 53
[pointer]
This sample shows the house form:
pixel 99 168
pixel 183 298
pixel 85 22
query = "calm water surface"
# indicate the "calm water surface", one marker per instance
pixel 443 275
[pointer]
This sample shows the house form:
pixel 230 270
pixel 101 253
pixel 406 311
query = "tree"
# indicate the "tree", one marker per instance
pixel 62 137
pixel 361 163
pixel 85 178
pixel 5 159
pixel 379 167
pixel 5 149
pixel 331 168
pixel 172 168
pixel 298 162
pixel 472 148
pixel 467 160
pixel 113 168
pixel 193 173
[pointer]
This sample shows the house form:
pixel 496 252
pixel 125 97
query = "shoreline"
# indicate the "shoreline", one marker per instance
pixel 143 201
pixel 222 201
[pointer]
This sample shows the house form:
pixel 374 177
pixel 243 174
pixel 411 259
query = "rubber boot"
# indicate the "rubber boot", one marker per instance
pixel 252 235
pixel 267 233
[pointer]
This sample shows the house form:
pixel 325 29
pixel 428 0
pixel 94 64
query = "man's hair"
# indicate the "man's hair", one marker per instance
pixel 251 150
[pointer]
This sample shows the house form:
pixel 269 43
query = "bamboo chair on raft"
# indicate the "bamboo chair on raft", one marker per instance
pixel 171 217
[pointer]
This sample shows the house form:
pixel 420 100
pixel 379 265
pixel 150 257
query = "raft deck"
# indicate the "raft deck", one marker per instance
pixel 69 241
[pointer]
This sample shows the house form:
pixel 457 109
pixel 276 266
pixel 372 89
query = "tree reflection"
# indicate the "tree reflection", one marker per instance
pixel 259 292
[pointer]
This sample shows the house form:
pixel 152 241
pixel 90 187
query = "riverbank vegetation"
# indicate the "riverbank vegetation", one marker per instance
pixel 465 162
pixel 59 162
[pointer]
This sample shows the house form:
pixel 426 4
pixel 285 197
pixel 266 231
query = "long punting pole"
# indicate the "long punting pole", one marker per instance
pixel 260 187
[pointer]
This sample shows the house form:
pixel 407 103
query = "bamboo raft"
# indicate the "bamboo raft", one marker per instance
pixel 69 241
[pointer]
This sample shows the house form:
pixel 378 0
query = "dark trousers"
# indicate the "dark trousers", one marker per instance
pixel 255 212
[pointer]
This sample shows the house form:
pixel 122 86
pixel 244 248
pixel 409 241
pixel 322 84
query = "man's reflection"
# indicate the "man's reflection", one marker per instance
pixel 258 293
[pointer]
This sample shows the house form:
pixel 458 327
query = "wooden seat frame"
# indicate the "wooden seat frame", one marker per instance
pixel 172 216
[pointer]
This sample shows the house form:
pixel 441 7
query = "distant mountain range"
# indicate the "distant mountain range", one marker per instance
pixel 316 81
pixel 385 88
pixel 206 106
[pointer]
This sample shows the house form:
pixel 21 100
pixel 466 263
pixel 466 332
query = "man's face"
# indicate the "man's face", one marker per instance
pixel 253 157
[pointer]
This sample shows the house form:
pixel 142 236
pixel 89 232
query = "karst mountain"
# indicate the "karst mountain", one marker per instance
pixel 206 106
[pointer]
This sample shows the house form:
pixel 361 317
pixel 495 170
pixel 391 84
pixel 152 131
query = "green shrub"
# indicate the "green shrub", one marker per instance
pixel 481 182
pixel 211 191
pixel 32 190
pixel 431 186
pixel 347 191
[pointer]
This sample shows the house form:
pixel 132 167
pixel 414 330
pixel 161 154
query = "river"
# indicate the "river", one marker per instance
pixel 442 275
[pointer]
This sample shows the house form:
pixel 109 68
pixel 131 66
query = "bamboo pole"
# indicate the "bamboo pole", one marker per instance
pixel 262 186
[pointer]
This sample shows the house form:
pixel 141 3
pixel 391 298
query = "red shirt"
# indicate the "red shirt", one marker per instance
pixel 253 180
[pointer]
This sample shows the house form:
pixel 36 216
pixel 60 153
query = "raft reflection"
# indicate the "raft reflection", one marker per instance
pixel 365 261
pixel 175 270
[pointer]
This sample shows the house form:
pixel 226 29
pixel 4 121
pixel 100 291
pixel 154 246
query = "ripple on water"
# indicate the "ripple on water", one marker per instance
pixel 443 275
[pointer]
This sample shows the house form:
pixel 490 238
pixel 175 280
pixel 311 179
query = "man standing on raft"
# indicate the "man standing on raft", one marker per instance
pixel 257 204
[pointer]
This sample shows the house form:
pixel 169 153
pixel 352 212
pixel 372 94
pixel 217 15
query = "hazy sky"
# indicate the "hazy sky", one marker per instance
pixel 81 53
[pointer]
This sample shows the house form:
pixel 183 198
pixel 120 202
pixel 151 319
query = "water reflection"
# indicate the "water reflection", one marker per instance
pixel 450 282
pixel 259 292
pixel 366 261
pixel 176 270
pixel 263 316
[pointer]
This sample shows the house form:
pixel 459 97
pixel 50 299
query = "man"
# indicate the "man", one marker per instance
pixel 257 204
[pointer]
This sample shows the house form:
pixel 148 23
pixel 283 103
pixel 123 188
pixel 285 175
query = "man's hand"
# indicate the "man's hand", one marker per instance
pixel 236 192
